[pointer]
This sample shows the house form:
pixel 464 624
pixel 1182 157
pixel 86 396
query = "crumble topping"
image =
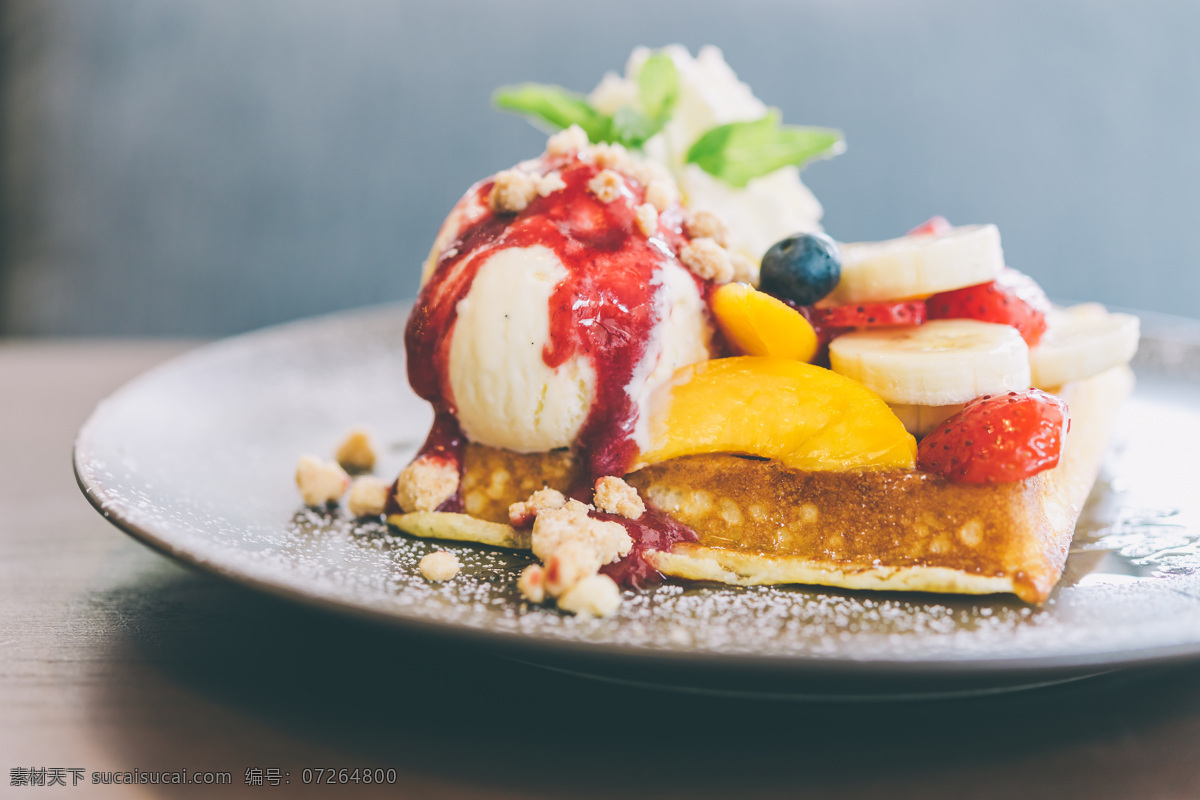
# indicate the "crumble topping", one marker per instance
pixel 368 496
pixel 617 497
pixel 597 595
pixel 660 194
pixel 574 560
pixel 512 191
pixel 567 142
pixel 550 183
pixel 707 259
pixel 522 514
pixel 611 156
pixel 556 526
pixel 705 224
pixel 355 453
pixel 645 172
pixel 573 547
pixel 425 484
pixel 320 482
pixel 744 269
pixel 647 219
pixel 532 583
pixel 607 185
pixel 439 565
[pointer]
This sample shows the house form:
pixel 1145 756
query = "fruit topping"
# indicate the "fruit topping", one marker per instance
pixel 920 420
pixel 1080 342
pixel 758 324
pixel 935 226
pixel 868 315
pixel 917 266
pixel 1012 299
pixel 936 364
pixel 997 439
pixel 802 268
pixel 804 416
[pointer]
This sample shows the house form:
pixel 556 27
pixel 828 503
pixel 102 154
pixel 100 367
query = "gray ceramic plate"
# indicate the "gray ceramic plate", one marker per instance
pixel 196 459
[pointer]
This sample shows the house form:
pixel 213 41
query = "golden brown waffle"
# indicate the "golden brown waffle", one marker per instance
pixel 762 523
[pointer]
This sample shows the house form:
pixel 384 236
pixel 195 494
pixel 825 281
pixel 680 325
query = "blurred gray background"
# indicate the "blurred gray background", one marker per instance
pixel 202 167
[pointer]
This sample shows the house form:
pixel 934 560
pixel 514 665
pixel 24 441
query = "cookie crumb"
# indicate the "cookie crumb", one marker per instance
pixel 745 270
pixel 554 527
pixel 512 191
pixel 645 172
pixel 707 259
pixel 597 595
pixel 532 583
pixel 705 224
pixel 567 142
pixel 611 156
pixel 368 496
pixel 356 453
pixel 320 482
pixel 439 565
pixel 607 185
pixel 660 194
pixel 617 497
pixel 426 483
pixel 521 514
pixel 647 219
pixel 550 183
pixel 573 561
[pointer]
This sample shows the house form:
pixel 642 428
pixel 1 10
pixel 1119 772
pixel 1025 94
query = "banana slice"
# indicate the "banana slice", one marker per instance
pixel 1080 342
pixel 912 266
pixel 940 363
pixel 920 420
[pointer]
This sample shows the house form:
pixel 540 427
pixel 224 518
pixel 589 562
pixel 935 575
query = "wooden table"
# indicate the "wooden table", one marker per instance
pixel 113 658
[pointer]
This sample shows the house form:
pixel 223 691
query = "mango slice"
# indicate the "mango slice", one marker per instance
pixel 802 415
pixel 758 324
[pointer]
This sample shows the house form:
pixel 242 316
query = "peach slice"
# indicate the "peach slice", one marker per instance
pixel 758 324
pixel 802 415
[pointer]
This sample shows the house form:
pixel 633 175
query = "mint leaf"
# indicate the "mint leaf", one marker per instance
pixel 632 128
pixel 740 151
pixel 658 87
pixel 555 107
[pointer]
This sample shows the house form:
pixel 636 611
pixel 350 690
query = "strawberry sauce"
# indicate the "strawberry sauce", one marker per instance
pixel 654 530
pixel 604 311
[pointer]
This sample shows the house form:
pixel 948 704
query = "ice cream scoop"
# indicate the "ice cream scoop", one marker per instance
pixel 555 302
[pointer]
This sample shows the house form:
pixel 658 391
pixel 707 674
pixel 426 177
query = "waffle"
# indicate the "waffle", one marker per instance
pixel 759 522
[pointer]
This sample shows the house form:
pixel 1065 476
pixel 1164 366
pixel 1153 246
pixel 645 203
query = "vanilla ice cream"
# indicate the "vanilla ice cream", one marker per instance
pixel 552 325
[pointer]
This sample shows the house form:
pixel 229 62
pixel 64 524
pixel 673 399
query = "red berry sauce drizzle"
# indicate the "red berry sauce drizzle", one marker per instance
pixel 654 530
pixel 603 310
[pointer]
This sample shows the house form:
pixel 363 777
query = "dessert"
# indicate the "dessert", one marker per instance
pixel 646 360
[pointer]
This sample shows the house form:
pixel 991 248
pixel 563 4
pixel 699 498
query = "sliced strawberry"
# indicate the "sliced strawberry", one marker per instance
pixel 1012 299
pixel 825 333
pixel 997 439
pixel 865 315
pixel 934 225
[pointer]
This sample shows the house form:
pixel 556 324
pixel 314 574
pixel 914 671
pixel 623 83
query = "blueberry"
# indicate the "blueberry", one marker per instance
pixel 802 268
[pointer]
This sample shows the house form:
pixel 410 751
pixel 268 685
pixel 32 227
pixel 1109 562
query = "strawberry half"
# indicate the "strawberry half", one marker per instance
pixel 866 315
pixel 997 439
pixel 934 225
pixel 1012 299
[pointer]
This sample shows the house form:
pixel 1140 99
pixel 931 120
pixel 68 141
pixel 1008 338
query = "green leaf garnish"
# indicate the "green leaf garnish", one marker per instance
pixel 555 107
pixel 632 128
pixel 658 87
pixel 740 151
